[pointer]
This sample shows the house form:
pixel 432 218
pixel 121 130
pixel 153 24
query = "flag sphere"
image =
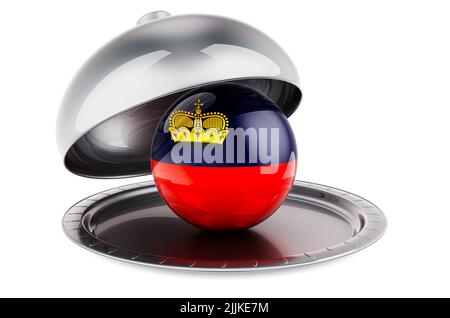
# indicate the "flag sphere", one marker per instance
pixel 224 157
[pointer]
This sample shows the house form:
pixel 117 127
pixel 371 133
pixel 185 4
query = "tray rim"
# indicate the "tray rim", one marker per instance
pixel 359 241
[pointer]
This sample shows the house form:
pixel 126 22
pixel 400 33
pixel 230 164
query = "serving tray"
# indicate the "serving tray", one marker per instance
pixel 315 223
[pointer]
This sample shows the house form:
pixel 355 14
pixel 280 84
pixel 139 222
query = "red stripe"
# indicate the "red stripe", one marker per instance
pixel 223 198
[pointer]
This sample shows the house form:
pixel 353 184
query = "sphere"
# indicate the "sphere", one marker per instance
pixel 224 157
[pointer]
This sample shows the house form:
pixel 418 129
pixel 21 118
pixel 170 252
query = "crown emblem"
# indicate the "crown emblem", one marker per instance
pixel 197 126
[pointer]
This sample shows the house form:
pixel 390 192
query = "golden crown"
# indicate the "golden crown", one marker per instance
pixel 198 127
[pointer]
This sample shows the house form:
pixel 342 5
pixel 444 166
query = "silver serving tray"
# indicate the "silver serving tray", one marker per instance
pixel 315 223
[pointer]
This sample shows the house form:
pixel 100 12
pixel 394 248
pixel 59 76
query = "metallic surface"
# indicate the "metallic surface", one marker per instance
pixel 109 112
pixel 316 223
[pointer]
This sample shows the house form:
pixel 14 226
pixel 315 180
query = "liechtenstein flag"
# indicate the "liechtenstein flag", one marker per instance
pixel 224 157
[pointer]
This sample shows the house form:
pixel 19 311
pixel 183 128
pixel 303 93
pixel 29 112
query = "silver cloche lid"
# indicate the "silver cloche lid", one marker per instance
pixel 110 110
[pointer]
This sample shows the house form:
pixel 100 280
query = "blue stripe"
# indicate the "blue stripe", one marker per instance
pixel 245 108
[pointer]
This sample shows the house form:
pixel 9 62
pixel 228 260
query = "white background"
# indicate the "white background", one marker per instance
pixel 374 120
